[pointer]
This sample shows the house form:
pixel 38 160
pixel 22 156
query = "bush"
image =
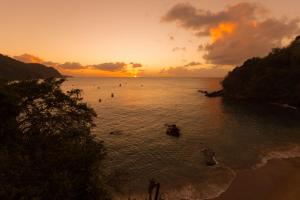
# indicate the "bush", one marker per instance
pixel 47 150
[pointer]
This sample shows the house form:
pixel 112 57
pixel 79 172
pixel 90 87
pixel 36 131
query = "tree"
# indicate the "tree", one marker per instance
pixel 47 148
pixel 273 78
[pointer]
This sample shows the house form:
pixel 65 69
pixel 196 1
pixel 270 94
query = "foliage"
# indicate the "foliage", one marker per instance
pixel 274 78
pixel 47 150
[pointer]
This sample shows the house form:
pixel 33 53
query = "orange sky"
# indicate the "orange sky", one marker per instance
pixel 92 32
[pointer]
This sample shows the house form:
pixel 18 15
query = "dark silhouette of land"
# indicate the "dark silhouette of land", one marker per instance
pixel 12 69
pixel 272 79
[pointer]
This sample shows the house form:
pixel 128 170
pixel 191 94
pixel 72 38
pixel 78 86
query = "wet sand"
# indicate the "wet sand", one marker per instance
pixel 278 180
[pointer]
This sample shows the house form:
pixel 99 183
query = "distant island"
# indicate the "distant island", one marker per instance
pixel 274 78
pixel 12 69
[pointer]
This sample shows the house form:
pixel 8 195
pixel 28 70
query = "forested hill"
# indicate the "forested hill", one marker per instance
pixel 273 79
pixel 15 70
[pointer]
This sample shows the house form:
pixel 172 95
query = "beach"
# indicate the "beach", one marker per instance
pixel 279 179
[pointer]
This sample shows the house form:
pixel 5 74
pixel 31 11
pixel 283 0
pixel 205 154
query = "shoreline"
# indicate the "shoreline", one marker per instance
pixel 278 179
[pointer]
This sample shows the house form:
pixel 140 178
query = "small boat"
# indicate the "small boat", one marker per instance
pixel 210 157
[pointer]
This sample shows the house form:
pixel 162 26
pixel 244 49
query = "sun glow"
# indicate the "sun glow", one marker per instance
pixel 134 74
pixel 218 32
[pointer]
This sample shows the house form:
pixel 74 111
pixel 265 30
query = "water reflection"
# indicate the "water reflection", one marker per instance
pixel 239 133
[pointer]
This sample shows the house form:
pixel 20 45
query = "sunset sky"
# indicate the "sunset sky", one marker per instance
pixel 145 37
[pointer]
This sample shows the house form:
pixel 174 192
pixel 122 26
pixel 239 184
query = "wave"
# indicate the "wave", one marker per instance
pixel 290 151
pixel 208 189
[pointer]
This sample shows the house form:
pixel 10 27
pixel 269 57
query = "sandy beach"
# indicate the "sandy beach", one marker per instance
pixel 278 180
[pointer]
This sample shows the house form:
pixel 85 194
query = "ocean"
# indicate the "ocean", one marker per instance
pixel 243 135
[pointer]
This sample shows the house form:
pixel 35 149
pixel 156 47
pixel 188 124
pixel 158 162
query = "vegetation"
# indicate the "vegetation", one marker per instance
pixel 47 150
pixel 12 69
pixel 274 78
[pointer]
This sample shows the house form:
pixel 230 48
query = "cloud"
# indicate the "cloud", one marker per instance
pixel 183 71
pixel 136 65
pixel 51 64
pixel 179 49
pixel 112 67
pixel 72 65
pixel 103 69
pixel 238 32
pixel 201 47
pixel 191 64
pixel 27 58
pixel 194 69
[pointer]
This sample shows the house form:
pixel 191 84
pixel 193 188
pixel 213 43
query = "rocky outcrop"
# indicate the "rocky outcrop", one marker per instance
pixel 217 93
pixel 172 130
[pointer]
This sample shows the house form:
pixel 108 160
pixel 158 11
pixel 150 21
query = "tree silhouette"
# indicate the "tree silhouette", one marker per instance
pixel 47 150
pixel 274 78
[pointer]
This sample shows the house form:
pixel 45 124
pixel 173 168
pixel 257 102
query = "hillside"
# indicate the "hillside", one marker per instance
pixel 272 79
pixel 12 69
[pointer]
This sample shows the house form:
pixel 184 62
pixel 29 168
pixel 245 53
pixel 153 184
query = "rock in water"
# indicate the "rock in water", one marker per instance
pixel 217 93
pixel 203 91
pixel 173 130
pixel 210 157
pixel 116 132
